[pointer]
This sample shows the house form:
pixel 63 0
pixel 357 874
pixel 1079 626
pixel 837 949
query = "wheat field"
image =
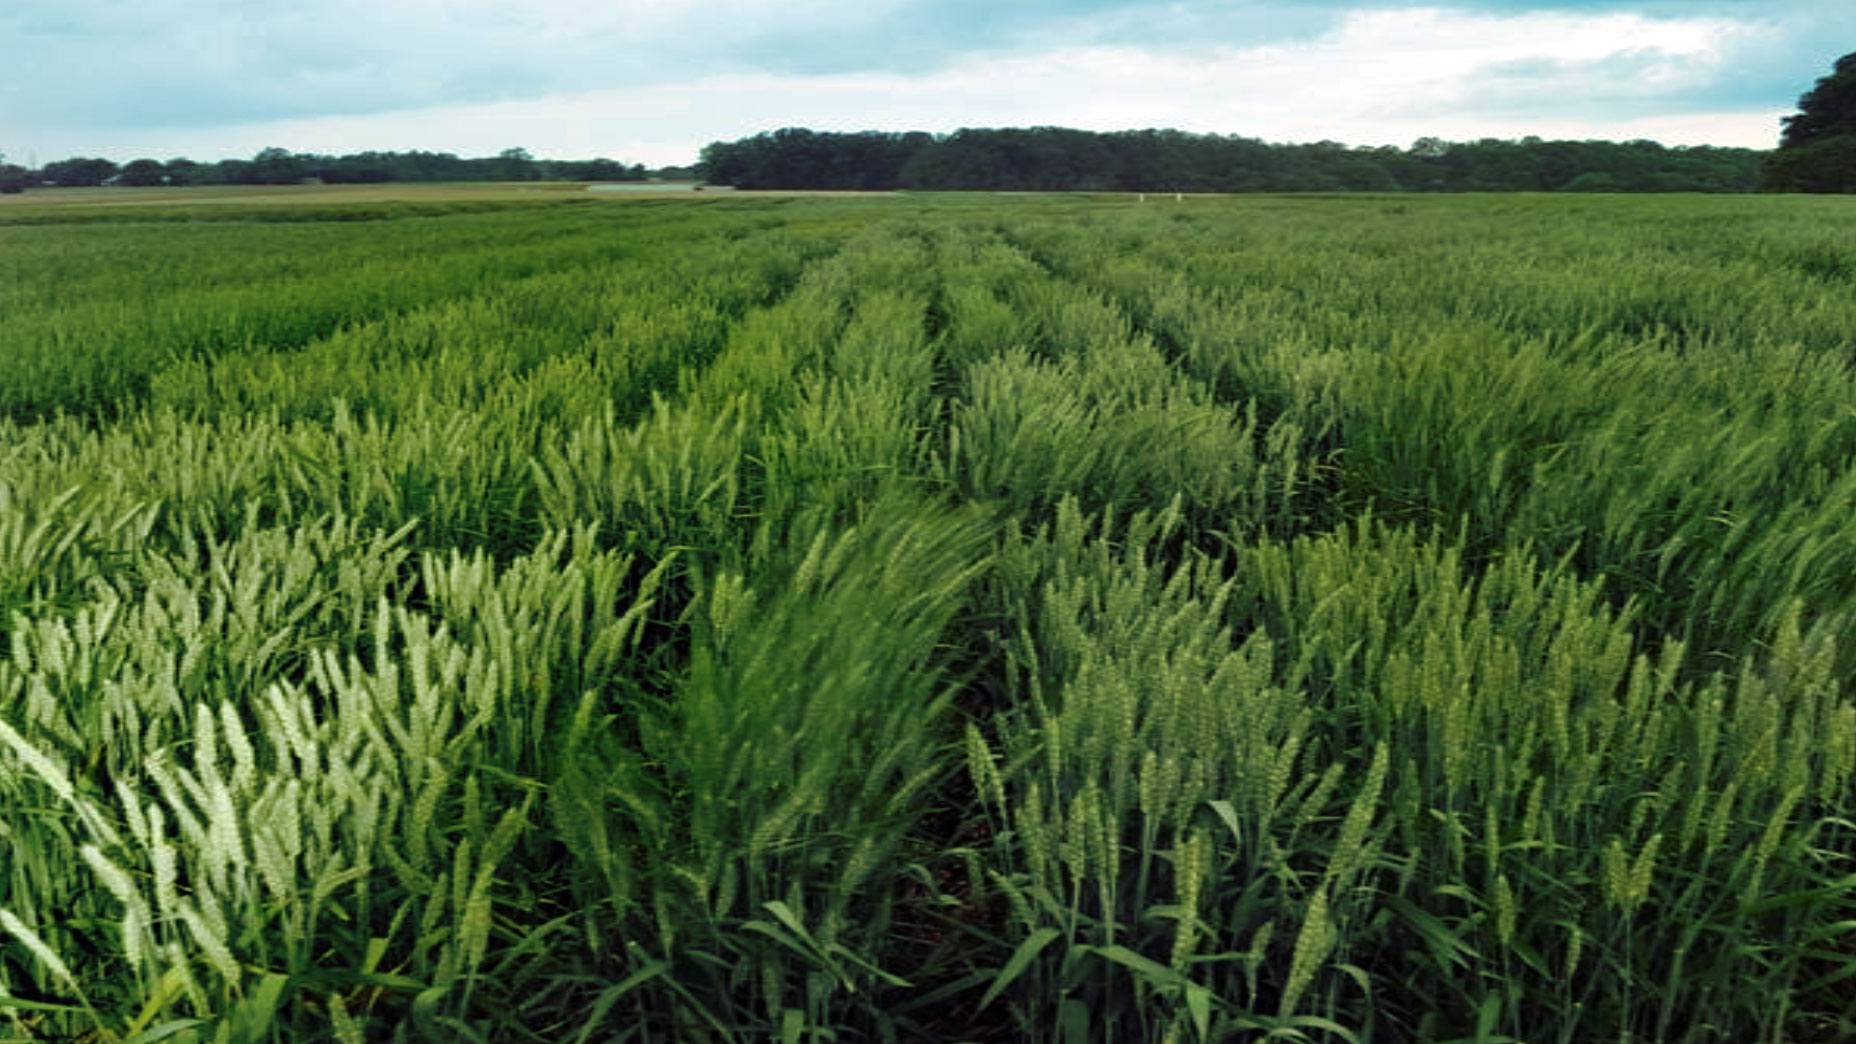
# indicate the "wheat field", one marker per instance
pixel 929 618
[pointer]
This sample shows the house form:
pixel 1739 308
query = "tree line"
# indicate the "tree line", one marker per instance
pixel 1062 159
pixel 1817 153
pixel 276 166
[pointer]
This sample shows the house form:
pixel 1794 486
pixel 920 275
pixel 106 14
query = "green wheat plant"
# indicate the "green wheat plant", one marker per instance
pixel 931 617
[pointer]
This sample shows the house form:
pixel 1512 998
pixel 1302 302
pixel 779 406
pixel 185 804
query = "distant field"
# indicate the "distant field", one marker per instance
pixel 56 199
pixel 284 194
pixel 516 613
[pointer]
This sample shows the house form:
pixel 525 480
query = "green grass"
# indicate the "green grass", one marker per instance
pixel 953 618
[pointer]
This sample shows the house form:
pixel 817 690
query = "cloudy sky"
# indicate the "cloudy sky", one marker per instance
pixel 652 80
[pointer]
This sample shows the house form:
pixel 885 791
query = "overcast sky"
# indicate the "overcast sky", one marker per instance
pixel 652 80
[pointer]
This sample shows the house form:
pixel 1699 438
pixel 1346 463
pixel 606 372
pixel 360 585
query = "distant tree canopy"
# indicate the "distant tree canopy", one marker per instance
pixel 276 166
pixel 1817 151
pixel 12 176
pixel 1044 159
pixel 1062 159
pixel 142 172
pixel 78 171
pixel 804 159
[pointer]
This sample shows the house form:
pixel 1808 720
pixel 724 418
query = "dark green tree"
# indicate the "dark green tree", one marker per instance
pixel 514 165
pixel 79 172
pixel 1817 151
pixel 798 158
pixel 183 171
pixel 601 169
pixel 1060 159
pixel 231 172
pixel 12 177
pixel 143 172
pixel 1826 110
pixel 275 166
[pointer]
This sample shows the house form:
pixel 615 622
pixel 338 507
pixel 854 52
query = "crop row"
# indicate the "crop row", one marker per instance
pixel 933 619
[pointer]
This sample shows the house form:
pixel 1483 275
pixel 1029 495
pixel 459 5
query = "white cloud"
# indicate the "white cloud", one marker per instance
pixel 1382 76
